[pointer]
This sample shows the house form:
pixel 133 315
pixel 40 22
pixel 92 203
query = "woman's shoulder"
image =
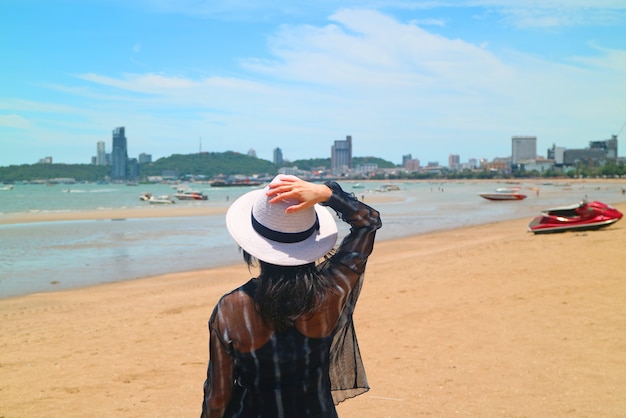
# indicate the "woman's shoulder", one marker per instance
pixel 236 319
pixel 237 300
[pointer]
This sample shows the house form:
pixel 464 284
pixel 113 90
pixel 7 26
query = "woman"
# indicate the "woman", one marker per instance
pixel 283 344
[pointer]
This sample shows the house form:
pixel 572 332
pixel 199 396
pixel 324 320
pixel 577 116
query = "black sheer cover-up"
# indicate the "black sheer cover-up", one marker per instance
pixel 257 372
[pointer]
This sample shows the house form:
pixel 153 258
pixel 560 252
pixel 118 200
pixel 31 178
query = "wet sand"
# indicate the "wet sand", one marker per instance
pixel 483 321
pixel 147 212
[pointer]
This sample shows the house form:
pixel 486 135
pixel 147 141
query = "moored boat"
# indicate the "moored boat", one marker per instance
pixel 153 200
pixel 584 216
pixel 185 194
pixel 503 195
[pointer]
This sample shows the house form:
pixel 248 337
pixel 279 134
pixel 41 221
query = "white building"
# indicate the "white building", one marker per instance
pixel 101 155
pixel 523 148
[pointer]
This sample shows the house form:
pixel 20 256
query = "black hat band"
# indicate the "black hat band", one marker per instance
pixel 284 237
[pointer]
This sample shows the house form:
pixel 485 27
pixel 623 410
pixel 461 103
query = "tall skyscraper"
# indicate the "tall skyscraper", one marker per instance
pixel 523 148
pixel 278 156
pixel 101 154
pixel 119 155
pixel 341 155
pixel 454 161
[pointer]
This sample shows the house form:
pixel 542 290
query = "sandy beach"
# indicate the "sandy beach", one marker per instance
pixel 482 321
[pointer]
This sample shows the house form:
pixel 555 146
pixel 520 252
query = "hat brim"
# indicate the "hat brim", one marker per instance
pixel 239 224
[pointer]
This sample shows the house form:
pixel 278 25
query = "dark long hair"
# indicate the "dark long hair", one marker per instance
pixel 285 293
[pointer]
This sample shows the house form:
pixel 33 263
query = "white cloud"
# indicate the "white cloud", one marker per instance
pixel 25 106
pixel 146 83
pixel 14 121
pixel 366 49
pixel 611 60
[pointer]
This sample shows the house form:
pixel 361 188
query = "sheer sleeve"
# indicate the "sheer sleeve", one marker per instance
pixel 347 266
pixel 218 385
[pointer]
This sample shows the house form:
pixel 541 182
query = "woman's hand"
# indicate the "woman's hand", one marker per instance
pixel 307 193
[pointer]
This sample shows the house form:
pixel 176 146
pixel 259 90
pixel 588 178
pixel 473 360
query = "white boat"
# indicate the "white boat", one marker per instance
pixel 185 194
pixel 161 200
pixel 503 196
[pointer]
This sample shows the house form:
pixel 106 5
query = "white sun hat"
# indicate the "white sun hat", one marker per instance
pixel 269 234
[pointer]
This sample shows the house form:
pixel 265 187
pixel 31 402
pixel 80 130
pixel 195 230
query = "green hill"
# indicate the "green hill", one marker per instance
pixel 209 164
pixel 43 172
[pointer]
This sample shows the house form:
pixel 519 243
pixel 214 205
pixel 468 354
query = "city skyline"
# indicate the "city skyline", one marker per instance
pixel 522 148
pixel 423 162
pixel 427 78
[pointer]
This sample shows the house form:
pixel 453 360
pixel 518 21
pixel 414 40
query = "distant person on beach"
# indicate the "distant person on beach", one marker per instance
pixel 283 344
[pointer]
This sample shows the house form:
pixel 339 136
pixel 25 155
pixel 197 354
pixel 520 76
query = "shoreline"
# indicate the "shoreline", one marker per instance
pixel 153 211
pixel 484 320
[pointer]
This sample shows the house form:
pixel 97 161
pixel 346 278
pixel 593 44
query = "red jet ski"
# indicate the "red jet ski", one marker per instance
pixel 582 217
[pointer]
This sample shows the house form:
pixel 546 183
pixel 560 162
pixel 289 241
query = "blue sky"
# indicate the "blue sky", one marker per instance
pixel 427 78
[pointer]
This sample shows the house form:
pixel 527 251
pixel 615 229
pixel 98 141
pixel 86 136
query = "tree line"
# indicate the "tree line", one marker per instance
pixel 205 165
pixel 212 164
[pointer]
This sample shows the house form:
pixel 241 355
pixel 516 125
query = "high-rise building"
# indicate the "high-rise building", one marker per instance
pixel 557 154
pixel 101 154
pixel 119 155
pixel 409 163
pixel 133 169
pixel 412 165
pixel 278 156
pixel 523 148
pixel 341 155
pixel 405 158
pixel 454 161
pixel 145 158
pixel 609 146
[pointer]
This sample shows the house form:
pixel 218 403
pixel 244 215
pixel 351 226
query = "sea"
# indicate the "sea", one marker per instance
pixel 51 256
